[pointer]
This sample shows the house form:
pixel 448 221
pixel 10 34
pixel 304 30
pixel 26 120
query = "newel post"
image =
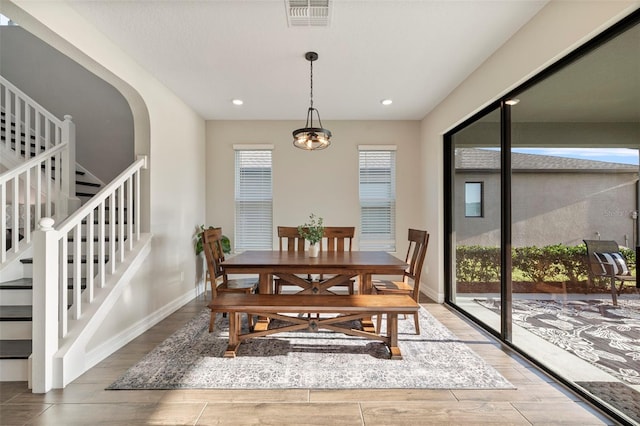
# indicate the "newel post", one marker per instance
pixel 45 306
pixel 69 167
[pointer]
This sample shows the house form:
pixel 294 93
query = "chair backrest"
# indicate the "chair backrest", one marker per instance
pixel 212 246
pixel 418 242
pixel 338 238
pixel 594 267
pixel 290 239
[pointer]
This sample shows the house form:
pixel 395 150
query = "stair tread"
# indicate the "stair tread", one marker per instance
pixel 15 349
pixel 19 284
pixel 29 260
pixel 93 184
pixel 78 172
pixel 27 284
pixel 95 239
pixel 16 313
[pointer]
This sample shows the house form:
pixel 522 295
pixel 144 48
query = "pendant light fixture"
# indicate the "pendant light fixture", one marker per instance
pixel 310 137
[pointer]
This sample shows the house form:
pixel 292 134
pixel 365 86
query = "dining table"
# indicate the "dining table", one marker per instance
pixel 331 267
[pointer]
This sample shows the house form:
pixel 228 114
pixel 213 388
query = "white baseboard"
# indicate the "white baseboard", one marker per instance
pixel 433 295
pixel 108 347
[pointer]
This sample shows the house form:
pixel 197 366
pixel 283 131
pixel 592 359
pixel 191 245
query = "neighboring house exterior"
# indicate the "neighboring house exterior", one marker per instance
pixel 565 200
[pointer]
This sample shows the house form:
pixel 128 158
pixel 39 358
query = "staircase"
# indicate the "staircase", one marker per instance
pixel 94 246
pixel 16 294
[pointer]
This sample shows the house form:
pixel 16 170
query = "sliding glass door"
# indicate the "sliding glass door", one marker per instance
pixel 530 179
pixel 477 217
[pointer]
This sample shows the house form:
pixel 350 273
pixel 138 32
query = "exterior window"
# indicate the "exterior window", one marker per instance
pixel 253 200
pixel 377 198
pixel 473 199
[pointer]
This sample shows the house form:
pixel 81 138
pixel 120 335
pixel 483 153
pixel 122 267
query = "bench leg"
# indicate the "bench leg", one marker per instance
pixel 212 321
pixel 234 333
pixel 392 334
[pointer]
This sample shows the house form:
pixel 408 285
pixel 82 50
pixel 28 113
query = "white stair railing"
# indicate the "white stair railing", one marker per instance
pixel 110 225
pixel 38 150
pixel 26 123
pixel 27 193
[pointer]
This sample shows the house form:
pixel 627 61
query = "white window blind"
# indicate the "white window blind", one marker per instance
pixel 377 199
pixel 254 200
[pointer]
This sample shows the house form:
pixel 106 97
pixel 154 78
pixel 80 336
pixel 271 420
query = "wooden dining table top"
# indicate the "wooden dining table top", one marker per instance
pixel 270 261
pixel 343 265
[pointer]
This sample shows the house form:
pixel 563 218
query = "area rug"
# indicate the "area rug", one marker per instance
pixel 619 395
pixel 192 359
pixel 607 336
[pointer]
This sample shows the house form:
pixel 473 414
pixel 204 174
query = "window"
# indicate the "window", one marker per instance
pixel 253 198
pixel 377 198
pixel 473 199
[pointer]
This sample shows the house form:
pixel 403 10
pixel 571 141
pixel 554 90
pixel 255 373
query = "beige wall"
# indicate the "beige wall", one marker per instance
pixel 322 182
pixel 556 30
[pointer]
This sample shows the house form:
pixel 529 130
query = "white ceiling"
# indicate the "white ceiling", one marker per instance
pixel 210 52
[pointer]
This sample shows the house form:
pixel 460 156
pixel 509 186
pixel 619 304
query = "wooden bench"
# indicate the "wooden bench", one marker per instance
pixel 346 307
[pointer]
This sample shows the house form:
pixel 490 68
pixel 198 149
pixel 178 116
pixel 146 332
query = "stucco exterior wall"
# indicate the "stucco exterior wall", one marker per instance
pixel 551 208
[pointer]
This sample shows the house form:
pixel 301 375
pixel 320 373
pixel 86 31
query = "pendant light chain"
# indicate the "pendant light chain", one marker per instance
pixel 311 96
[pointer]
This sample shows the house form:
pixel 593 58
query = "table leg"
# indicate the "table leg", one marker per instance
pixel 365 288
pixel 265 283
pixel 365 285
pixel 265 286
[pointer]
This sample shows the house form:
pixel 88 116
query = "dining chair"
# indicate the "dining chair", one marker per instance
pixel 410 284
pixel 289 239
pixel 220 283
pixel 339 239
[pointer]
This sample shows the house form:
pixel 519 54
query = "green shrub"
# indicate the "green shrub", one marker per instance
pixel 556 262
pixel 477 263
pixel 536 263
pixel 630 255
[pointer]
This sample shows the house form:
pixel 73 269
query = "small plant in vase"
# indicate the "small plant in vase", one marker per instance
pixel 312 231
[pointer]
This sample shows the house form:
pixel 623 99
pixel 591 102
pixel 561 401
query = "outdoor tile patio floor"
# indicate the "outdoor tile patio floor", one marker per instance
pixel 537 399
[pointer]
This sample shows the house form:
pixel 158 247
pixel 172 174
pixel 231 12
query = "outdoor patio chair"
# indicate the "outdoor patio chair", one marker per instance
pixel 418 242
pixel 605 260
pixel 220 283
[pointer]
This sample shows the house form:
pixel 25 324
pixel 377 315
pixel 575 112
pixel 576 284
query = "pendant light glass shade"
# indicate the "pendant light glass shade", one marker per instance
pixel 312 138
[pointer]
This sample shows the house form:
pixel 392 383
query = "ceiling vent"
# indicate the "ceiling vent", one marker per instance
pixel 308 13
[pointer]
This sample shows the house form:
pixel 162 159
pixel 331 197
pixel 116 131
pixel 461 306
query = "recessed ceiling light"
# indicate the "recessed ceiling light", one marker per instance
pixel 237 102
pixel 512 102
pixel 386 102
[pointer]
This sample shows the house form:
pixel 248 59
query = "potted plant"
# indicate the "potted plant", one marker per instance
pixel 312 231
pixel 226 243
pixel 201 268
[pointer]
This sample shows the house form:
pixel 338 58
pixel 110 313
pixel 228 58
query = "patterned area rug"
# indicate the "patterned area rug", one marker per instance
pixel 607 336
pixel 621 396
pixel 192 359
